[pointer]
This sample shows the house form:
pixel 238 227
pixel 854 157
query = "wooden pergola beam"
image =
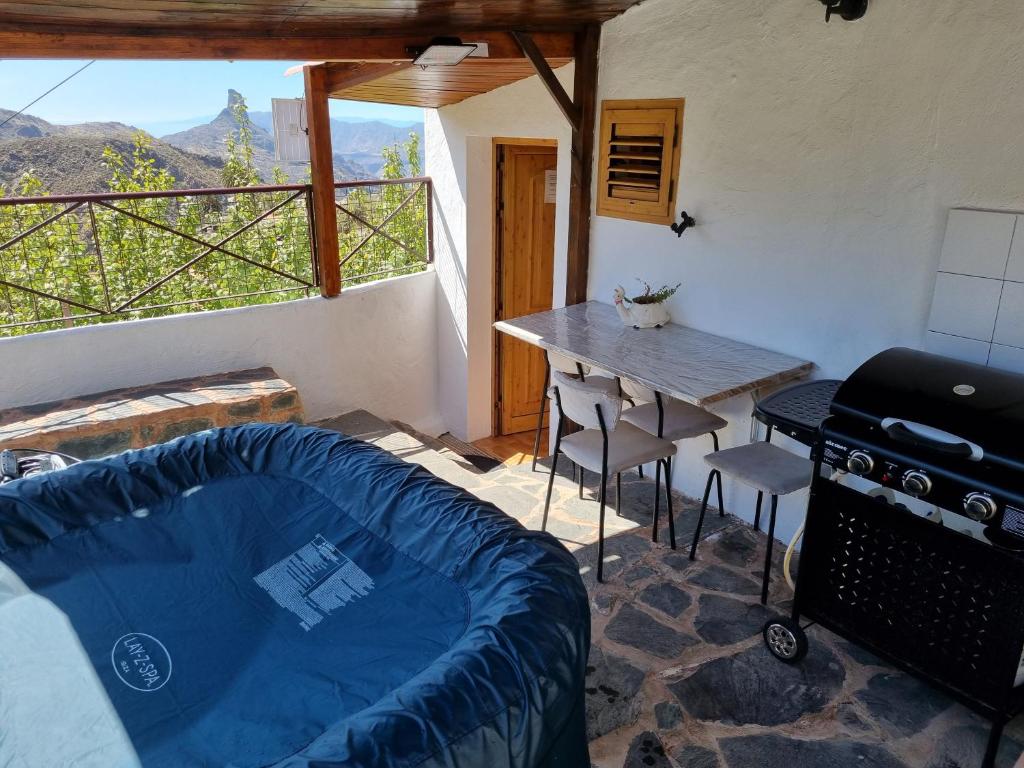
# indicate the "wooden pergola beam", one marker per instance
pixel 547 76
pixel 39 42
pixel 321 170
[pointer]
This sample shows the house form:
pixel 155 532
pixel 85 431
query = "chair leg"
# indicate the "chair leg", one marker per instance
pixel 768 552
pixel 540 416
pixel 703 509
pixel 757 511
pixel 640 471
pixel 668 503
pixel 581 481
pixel 600 525
pixel 657 499
pixel 618 494
pixel 721 504
pixel 551 481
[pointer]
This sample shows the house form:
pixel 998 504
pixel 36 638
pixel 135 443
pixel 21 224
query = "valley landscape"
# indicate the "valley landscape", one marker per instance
pixel 68 159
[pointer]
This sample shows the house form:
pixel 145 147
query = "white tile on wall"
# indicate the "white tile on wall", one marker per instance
pixel 977 243
pixel 1010 325
pixel 1007 358
pixel 965 306
pixel 1015 267
pixel 970 350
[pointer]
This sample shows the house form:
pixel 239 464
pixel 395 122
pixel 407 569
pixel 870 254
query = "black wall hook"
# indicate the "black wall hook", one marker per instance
pixel 687 222
pixel 851 10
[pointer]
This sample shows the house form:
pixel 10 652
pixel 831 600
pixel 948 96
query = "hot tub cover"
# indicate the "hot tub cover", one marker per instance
pixel 286 596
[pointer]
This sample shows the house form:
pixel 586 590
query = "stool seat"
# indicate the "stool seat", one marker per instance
pixel 681 421
pixel 764 467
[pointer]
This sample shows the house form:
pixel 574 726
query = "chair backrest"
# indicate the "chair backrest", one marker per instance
pixel 566 364
pixel 638 393
pixel 580 400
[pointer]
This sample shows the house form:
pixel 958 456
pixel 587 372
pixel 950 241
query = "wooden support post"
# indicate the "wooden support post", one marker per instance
pixel 588 43
pixel 321 161
pixel 581 112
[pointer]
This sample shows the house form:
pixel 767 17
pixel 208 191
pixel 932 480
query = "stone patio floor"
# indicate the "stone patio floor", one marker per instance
pixel 678 676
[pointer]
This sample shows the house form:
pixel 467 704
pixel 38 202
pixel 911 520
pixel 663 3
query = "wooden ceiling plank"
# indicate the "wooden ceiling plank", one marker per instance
pixel 469 78
pixel 20 41
pixel 411 16
pixel 349 75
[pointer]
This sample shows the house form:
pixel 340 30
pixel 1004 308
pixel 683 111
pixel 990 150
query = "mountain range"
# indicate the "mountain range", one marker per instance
pixel 68 158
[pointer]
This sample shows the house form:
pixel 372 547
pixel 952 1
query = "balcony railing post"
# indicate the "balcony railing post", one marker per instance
pixel 321 164
pixel 99 257
pixel 430 221
pixel 314 259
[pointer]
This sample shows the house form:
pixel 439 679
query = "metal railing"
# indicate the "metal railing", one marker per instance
pixel 384 227
pixel 79 259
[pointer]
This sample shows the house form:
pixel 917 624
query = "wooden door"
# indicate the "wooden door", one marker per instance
pixel 525 230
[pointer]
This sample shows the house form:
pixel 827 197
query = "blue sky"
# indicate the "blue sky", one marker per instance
pixel 157 95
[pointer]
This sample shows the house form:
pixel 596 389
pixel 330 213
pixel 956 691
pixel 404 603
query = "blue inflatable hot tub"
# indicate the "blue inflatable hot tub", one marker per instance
pixel 282 596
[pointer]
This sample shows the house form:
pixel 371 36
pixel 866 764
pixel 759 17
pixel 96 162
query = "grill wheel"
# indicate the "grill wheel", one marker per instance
pixel 785 639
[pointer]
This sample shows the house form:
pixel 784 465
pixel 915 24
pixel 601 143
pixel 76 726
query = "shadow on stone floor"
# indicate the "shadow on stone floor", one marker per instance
pixel 678 676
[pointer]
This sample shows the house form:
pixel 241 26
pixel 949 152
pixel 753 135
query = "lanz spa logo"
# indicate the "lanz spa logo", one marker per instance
pixel 141 661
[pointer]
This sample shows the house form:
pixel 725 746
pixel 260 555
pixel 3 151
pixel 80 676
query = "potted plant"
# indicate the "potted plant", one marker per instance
pixel 646 310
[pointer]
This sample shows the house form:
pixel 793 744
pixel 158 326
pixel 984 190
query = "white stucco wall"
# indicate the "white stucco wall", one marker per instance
pixel 459 156
pixel 373 347
pixel 819 160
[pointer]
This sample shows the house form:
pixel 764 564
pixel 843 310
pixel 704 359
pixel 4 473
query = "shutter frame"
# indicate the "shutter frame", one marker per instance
pixel 640 150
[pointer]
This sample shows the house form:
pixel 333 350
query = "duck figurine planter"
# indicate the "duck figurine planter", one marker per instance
pixel 645 311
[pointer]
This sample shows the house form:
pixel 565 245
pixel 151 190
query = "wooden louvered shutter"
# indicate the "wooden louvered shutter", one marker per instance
pixel 639 162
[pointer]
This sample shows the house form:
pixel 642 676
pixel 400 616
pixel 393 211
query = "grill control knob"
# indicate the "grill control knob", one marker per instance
pixel 917 483
pixel 980 506
pixel 860 462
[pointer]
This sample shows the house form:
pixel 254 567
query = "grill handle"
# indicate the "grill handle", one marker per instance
pixel 923 436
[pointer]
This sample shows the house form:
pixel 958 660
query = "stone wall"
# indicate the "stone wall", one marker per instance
pixel 98 425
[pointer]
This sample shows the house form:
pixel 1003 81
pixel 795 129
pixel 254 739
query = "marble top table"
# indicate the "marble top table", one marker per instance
pixel 678 361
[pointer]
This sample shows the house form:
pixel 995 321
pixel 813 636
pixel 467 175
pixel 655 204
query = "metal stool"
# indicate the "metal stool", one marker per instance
pixel 767 468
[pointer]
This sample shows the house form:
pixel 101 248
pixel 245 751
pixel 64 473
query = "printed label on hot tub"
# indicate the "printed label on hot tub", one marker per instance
pixel 313 581
pixel 141 661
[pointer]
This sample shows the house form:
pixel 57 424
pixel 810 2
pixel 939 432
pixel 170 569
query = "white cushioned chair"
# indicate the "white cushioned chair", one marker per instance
pixel 606 444
pixel 671 420
pixel 554 361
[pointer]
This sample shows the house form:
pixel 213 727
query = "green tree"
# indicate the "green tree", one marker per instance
pixel 240 167
pixel 382 255
pixel 158 254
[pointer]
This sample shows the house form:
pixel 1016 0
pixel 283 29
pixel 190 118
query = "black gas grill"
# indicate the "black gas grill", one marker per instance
pixel 937 602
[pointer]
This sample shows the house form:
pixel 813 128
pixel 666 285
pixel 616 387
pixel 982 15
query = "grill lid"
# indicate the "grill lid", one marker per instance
pixel 949 406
